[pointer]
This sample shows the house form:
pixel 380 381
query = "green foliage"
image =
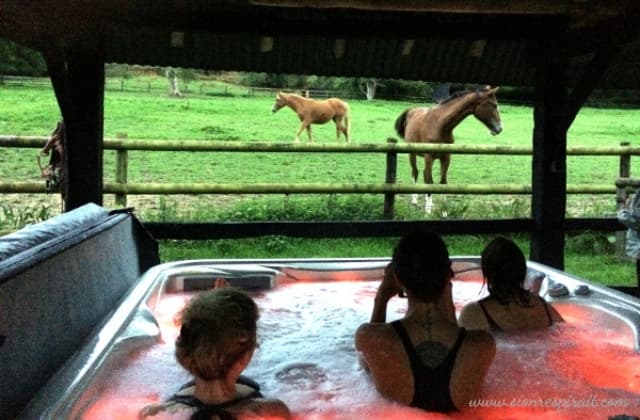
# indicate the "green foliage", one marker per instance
pixel 18 60
pixel 167 211
pixel 590 243
pixel 117 70
pixel 16 218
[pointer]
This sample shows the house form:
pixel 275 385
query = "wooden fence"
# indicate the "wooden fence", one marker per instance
pixel 384 228
pixel 121 188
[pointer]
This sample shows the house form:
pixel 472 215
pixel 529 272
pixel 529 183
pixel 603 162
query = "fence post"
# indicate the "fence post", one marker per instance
pixel 390 178
pixel 122 157
pixel 621 197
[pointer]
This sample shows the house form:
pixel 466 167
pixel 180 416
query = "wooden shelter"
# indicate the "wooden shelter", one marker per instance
pixel 562 48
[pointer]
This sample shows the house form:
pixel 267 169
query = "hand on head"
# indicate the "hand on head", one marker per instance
pixel 220 283
pixel 389 286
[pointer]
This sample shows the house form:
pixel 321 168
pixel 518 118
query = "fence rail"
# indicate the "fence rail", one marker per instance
pixel 237 146
pixel 132 188
pixel 122 187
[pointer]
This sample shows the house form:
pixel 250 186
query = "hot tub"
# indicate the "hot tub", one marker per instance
pixel 587 367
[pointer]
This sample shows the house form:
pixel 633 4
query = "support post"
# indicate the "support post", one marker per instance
pixel 390 178
pixel 621 197
pixel 122 161
pixel 78 81
pixel 549 183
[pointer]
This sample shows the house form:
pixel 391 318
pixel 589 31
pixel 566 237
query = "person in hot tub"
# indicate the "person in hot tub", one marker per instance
pixel 629 216
pixel 216 343
pixel 425 359
pixel 509 307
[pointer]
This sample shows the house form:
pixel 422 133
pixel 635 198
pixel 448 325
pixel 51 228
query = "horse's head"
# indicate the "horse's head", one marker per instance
pixel 281 100
pixel 486 110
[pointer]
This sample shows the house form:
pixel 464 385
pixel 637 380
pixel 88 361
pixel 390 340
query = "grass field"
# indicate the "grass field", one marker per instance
pixel 34 111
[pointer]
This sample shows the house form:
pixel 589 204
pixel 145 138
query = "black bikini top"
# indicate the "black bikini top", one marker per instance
pixel 493 325
pixel 207 411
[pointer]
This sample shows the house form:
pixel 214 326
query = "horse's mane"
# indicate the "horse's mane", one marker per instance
pixel 460 93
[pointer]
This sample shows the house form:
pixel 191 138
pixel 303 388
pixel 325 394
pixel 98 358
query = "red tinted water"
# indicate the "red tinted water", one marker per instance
pixel 584 368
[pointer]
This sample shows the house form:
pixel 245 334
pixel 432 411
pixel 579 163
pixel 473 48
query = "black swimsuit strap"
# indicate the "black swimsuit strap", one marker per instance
pixel 546 309
pixel 206 411
pixel 492 323
pixel 406 341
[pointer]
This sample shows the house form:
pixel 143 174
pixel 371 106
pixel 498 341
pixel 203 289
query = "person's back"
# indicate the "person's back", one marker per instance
pixel 216 343
pixel 424 360
pixel 509 307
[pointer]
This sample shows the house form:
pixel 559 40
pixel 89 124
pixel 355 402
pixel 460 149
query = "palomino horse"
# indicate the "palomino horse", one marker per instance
pixel 435 125
pixel 311 111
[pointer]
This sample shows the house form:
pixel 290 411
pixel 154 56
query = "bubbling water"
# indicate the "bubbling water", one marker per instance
pixel 583 368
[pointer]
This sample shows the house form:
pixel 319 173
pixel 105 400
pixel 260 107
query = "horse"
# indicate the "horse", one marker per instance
pixel 436 124
pixel 311 111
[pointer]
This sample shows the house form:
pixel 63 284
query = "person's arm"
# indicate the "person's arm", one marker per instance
pixel 474 359
pixel 630 216
pixel 472 318
pixel 269 408
pixel 389 287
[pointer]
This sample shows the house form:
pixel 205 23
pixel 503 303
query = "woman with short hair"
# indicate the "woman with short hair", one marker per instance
pixel 216 343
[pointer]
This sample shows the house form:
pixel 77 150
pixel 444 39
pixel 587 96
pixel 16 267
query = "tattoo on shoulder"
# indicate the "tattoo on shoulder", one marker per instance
pixel 432 353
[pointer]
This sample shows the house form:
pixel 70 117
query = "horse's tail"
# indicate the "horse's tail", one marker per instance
pixel 401 123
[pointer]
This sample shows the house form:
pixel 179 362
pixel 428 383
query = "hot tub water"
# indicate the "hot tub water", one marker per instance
pixel 584 367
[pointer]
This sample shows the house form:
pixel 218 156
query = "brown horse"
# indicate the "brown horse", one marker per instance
pixel 311 111
pixel 435 125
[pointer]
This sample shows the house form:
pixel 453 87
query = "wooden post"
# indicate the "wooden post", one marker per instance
pixel 549 163
pixel 621 197
pixel 390 178
pixel 122 159
pixel 78 83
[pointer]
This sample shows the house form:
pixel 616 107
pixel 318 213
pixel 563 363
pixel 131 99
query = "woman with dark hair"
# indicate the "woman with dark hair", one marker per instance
pixel 509 307
pixel 424 359
pixel 216 343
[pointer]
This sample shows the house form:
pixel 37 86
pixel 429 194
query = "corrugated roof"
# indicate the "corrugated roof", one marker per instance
pixel 485 42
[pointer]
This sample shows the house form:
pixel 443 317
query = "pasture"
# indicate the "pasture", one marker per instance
pixel 33 111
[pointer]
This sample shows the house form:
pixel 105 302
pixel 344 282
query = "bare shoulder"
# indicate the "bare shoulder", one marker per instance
pixel 472 317
pixel 264 408
pixel 371 333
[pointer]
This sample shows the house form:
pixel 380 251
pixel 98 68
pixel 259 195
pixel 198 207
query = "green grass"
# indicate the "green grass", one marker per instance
pixel 214 117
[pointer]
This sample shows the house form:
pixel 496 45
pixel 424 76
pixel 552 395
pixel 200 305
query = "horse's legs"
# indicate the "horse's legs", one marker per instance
pixel 414 175
pixel 340 128
pixel 444 167
pixel 302 127
pixel 428 179
pixel 309 133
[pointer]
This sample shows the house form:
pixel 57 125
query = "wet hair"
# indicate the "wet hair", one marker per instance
pixel 504 268
pixel 421 263
pixel 218 328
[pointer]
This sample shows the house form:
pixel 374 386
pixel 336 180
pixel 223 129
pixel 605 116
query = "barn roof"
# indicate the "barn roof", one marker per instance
pixel 475 41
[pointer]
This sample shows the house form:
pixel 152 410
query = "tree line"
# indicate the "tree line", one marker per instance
pixel 17 60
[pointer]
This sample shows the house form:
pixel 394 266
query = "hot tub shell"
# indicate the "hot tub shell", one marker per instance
pixel 133 323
